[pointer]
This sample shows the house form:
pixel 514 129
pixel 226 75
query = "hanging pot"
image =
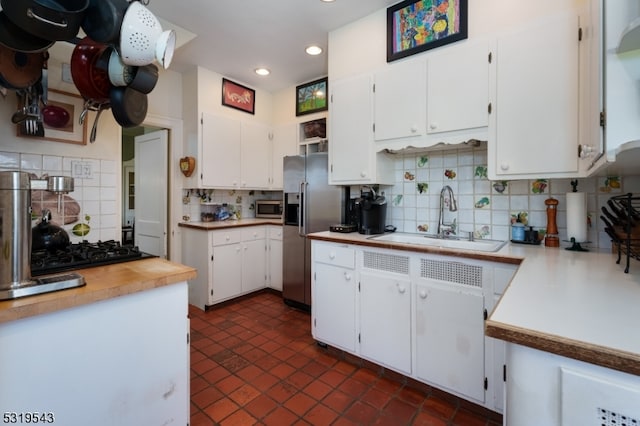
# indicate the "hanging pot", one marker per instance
pixel 14 37
pixel 20 70
pixel 48 19
pixel 91 80
pixel 129 107
pixel 47 236
pixel 103 19
pixel 145 78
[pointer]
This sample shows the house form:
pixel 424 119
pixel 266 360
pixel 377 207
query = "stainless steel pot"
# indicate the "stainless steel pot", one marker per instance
pixel 15 230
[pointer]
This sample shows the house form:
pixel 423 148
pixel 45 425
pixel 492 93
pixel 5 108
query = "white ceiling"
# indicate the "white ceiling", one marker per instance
pixel 233 37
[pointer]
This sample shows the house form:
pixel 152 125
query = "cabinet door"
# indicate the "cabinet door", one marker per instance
pixel 275 257
pixel 385 320
pixel 334 306
pixel 537 115
pixel 450 337
pixel 255 261
pixel 227 272
pixel 220 151
pixel 255 156
pixel 399 101
pixel 351 152
pixel 284 143
pixel 458 88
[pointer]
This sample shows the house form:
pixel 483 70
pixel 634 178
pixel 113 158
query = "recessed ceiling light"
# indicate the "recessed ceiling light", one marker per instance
pixel 262 71
pixel 327 1
pixel 313 50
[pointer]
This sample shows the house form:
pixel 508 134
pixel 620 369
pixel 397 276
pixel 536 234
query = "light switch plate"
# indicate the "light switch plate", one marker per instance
pixel 66 73
pixel 81 170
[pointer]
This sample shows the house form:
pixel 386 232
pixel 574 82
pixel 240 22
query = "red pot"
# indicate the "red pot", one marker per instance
pixel 88 72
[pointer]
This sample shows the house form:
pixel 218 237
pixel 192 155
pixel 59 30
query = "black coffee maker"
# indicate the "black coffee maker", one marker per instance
pixel 372 212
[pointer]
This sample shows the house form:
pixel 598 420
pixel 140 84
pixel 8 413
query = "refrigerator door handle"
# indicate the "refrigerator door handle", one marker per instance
pixel 301 209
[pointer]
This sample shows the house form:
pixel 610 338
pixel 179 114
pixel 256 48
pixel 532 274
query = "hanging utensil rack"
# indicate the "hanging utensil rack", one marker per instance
pixel 623 225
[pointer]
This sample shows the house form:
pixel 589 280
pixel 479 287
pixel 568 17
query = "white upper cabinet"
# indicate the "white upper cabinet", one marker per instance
pixel 536 116
pixel 352 155
pixel 284 143
pixel 220 158
pixel 399 101
pixel 458 90
pixel 255 164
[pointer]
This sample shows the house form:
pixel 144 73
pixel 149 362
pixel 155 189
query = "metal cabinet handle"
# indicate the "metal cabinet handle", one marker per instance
pixel 347 276
pixel 422 294
pixel 401 289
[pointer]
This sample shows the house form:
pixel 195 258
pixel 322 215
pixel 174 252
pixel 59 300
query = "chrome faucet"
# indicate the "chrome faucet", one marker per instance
pixel 446 198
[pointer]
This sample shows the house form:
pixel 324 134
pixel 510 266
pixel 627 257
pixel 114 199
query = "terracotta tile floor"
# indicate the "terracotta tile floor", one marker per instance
pixel 254 362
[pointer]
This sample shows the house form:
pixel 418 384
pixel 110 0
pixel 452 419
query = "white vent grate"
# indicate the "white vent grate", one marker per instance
pixel 610 418
pixel 456 272
pixel 386 262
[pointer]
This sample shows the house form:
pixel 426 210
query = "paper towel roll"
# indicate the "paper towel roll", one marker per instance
pixel 577 216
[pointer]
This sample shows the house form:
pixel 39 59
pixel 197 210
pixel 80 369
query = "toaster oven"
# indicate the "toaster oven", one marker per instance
pixel 269 209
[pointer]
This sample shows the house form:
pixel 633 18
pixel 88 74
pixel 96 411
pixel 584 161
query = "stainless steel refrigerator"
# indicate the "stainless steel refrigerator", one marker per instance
pixel 310 205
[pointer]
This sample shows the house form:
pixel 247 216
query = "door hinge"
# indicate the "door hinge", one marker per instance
pixel 504 372
pixel 332 168
pixel 490 56
pixel 358 286
pixel 212 258
pixel 212 292
pixel 489 108
pixel 187 338
pixel 314 322
pixel 373 126
pixel 373 88
pixel 331 98
pixel 485 314
pixel 359 341
pixel 603 119
pixel 580 34
pixel 486 383
pixel 314 276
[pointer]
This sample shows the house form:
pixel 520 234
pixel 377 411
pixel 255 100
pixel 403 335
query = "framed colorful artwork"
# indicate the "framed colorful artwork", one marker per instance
pixel 237 96
pixel 414 26
pixel 312 97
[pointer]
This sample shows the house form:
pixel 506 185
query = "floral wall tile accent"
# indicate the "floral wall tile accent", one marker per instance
pixel 487 208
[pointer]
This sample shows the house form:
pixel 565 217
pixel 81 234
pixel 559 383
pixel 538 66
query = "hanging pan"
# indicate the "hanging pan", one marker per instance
pixel 103 20
pixel 129 107
pixel 20 70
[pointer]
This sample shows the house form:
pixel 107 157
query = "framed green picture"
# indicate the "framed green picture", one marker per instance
pixel 312 97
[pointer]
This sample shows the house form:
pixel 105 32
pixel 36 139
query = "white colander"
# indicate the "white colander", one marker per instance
pixel 142 39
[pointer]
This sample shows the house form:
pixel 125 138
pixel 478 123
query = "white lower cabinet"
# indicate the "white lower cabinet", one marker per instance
pixel 450 337
pixel 230 262
pixel 333 295
pixel 274 257
pixel 417 314
pixel 385 310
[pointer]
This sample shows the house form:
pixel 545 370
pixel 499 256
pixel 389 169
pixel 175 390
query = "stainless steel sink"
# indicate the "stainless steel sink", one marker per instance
pixel 436 241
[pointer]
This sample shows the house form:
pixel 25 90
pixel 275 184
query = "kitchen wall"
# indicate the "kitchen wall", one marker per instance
pixel 485 207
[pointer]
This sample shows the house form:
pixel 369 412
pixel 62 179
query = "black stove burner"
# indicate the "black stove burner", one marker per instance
pixel 83 255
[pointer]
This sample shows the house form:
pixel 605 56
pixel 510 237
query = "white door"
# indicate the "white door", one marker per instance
pixel 152 187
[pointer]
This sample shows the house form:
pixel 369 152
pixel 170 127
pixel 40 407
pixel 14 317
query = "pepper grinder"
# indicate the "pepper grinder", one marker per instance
pixel 551 238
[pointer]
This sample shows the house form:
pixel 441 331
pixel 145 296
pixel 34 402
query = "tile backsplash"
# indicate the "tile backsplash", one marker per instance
pixel 486 207
pixel 240 202
pixel 90 212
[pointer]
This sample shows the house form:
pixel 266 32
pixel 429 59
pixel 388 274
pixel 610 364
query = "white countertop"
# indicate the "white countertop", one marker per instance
pixel 576 304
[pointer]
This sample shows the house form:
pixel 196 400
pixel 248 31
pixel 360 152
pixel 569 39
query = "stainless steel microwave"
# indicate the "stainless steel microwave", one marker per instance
pixel 269 209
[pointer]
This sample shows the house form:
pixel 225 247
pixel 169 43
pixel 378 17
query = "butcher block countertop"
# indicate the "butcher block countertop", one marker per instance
pixel 227 224
pixel 103 282
pixel 580 305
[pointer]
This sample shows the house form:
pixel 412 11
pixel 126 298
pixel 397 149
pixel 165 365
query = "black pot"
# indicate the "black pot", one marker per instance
pixel 103 20
pixel 14 37
pixel 145 78
pixel 48 19
pixel 47 236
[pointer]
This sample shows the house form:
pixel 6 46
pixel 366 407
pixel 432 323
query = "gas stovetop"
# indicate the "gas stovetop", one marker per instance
pixel 83 255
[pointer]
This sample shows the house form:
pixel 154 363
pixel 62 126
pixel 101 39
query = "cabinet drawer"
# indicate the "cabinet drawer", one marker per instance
pixel 254 233
pixel 228 236
pixel 275 233
pixel 335 255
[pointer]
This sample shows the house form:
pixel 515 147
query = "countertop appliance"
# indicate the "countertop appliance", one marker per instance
pixel 310 205
pixel 372 214
pixel 15 238
pixel 269 209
